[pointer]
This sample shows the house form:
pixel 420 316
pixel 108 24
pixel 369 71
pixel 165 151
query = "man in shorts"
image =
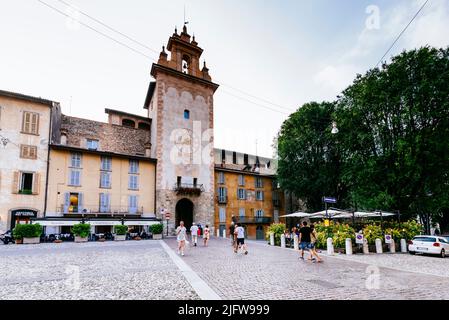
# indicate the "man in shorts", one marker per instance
pixel 304 238
pixel 240 234
pixel 194 233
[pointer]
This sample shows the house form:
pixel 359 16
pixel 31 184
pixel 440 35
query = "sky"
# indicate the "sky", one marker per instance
pixel 270 57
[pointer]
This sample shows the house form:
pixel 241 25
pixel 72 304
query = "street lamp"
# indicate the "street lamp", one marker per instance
pixel 334 128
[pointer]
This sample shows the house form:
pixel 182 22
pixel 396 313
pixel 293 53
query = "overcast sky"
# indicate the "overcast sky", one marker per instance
pixel 284 52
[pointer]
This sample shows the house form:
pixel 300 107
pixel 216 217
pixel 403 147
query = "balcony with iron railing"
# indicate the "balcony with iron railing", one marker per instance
pixel 98 211
pixel 222 199
pixel 276 203
pixel 189 189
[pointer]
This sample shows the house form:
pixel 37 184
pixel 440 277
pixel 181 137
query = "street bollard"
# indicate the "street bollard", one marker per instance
pixel 379 246
pixel 224 234
pixel 403 246
pixel 218 233
pixel 296 242
pixel 282 240
pixel 330 246
pixel 365 247
pixel 271 239
pixel 348 247
pixel 392 246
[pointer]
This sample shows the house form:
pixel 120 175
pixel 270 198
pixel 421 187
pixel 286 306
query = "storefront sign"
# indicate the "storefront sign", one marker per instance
pixel 24 213
pixel 359 238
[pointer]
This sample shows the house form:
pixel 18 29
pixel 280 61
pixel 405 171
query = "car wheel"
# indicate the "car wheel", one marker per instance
pixel 443 253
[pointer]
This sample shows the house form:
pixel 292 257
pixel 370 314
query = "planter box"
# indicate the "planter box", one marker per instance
pixel 80 239
pixel 36 240
pixel 19 241
pixel 120 238
pixel 157 236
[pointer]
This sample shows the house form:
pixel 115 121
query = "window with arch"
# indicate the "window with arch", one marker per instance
pixel 128 123
pixel 186 114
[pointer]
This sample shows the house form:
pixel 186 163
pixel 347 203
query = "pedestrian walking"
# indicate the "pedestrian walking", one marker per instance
pixel 194 234
pixel 313 240
pixel 181 234
pixel 240 234
pixel 304 238
pixel 206 235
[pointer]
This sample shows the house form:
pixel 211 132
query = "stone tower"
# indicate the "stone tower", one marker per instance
pixel 180 104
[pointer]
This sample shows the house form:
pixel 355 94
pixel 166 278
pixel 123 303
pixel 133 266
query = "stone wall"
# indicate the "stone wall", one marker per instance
pixel 112 138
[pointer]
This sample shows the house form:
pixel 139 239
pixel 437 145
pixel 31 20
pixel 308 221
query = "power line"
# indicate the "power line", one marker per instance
pixel 252 102
pixel 109 27
pixel 255 97
pixel 402 32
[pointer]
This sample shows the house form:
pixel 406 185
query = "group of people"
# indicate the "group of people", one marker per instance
pixel 195 231
pixel 238 237
pixel 307 237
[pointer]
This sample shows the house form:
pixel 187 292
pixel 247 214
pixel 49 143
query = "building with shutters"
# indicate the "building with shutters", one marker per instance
pixel 25 123
pixel 101 173
pixel 246 192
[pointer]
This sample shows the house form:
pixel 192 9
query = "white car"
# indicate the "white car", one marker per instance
pixel 434 245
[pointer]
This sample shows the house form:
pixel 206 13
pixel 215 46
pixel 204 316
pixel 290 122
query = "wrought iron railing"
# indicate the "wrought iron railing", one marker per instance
pixel 222 199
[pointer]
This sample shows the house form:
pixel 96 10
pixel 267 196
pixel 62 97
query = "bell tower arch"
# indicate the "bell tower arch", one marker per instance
pixel 180 104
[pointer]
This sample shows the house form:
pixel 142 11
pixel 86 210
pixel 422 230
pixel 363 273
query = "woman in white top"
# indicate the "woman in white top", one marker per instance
pixel 181 233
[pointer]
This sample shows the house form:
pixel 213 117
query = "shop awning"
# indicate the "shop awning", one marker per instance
pixel 140 223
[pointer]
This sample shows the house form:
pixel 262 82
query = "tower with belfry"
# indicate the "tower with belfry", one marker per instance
pixel 181 105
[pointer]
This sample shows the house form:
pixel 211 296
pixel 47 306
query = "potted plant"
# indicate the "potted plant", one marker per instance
pixel 81 231
pixel 156 230
pixel 120 232
pixel 28 233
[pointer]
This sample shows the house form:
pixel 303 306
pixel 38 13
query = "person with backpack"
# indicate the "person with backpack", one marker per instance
pixel 304 238
pixel 312 247
pixel 240 234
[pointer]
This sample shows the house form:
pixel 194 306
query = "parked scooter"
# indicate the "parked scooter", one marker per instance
pixel 7 237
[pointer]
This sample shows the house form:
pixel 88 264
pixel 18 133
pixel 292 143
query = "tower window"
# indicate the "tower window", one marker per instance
pixel 186 114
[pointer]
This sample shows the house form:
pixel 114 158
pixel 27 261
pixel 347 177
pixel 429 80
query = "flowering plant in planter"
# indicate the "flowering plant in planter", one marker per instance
pixel 22 231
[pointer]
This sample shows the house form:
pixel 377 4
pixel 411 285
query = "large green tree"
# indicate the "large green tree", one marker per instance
pixel 308 155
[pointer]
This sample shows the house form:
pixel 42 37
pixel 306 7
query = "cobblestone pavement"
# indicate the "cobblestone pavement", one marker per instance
pixel 273 273
pixel 111 270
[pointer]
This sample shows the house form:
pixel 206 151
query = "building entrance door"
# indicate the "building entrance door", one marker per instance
pixel 260 234
pixel 22 216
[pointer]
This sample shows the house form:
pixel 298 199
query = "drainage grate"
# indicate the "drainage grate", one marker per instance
pixel 325 284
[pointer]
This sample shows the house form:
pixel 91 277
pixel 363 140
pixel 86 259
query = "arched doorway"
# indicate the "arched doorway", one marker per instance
pixel 184 212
